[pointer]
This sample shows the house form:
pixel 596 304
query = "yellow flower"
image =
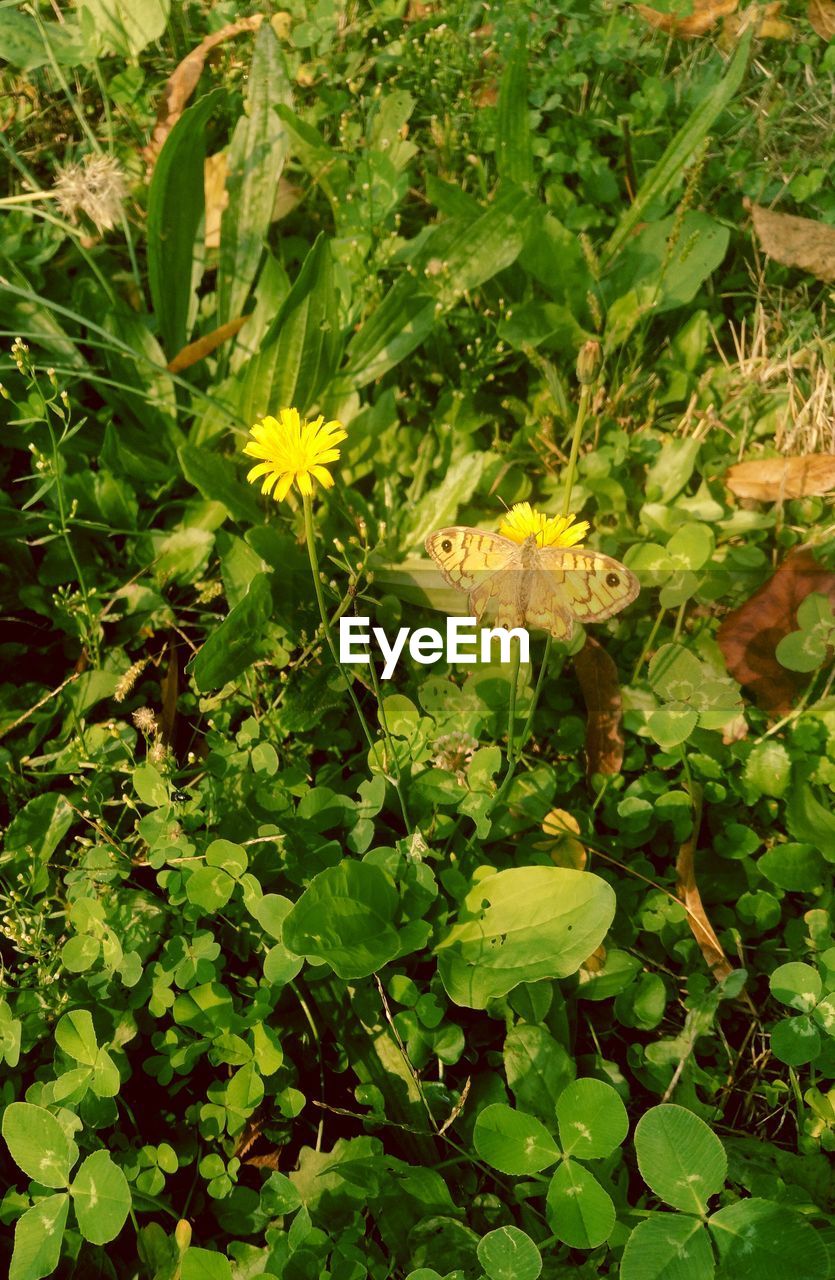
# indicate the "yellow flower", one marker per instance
pixel 293 451
pixel 550 531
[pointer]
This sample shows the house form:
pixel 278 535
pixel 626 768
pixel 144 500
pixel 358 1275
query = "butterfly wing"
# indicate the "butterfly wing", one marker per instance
pixel 546 608
pixel 466 557
pixel 591 586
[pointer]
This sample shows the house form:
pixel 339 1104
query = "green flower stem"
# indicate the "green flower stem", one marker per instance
pixel 650 641
pixel 396 776
pixel 516 747
pixel 326 626
pixel 310 538
pixel 579 423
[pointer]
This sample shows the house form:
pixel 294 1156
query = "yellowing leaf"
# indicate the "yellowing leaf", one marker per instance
pixel 705 14
pixel 775 479
pixel 795 242
pixel 821 15
pixel 215 169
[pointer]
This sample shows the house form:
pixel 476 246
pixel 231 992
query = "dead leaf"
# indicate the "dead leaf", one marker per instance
pixel 795 242
pixel 749 636
pixel 821 15
pixel 182 82
pixel 706 13
pixel 598 677
pixel 287 197
pixel 215 169
pixel 194 351
pixel 688 893
pixel 774 479
pixel 766 20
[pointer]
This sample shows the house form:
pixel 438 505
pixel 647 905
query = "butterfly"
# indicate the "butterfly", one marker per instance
pixel 521 584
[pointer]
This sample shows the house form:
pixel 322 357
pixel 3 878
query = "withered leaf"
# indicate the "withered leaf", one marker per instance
pixel 195 351
pixel 687 889
pixel 774 479
pixel 705 14
pixel 182 82
pixel 821 15
pixel 598 677
pixel 795 242
pixel 215 169
pixel 748 637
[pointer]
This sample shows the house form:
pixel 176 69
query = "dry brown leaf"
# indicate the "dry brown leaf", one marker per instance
pixel 766 20
pixel 215 169
pixel 821 15
pixel 795 242
pixel 774 479
pixel 182 82
pixel 204 346
pixel 706 13
pixel 688 893
pixel 598 677
pixel 749 635
pixel 287 196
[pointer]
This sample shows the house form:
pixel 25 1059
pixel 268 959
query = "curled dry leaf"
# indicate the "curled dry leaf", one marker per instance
pixel 562 840
pixel 598 677
pixel 821 14
pixel 687 888
pixel 767 20
pixel 795 242
pixel 182 82
pixel 705 14
pixel 774 479
pixel 748 637
pixel 195 351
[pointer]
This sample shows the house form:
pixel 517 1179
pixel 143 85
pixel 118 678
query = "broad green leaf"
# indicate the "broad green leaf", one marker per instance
pixel 221 479
pixel 521 925
pixel 592 1119
pixel 299 352
pixel 509 1254
pixel 124 27
pixel 803 650
pixel 238 641
pixel 37 1238
pixel 758 1240
pixel 175 211
pixel 672 468
pixel 768 769
pixel 672 724
pixel 256 159
pixel 101 1196
pixel 579 1211
pixel 795 1041
pixel 808 820
pixel 38 828
pixel 271 911
pixel 668 1246
pixel 675 673
pixel 797 985
pixel 205 1264
pixel 231 857
pixel 150 786
pixel 37 1143
pixel 680 1157
pixel 537 1068
pixel 182 555
pixel 209 888
pixel 27 44
pixel 346 917
pixel 512 1141
pixel 80 953
pixel 666 174
pixel 514 154
pixel 76 1035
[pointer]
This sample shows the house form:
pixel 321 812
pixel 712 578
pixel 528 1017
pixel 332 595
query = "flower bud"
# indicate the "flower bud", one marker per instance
pixel 588 362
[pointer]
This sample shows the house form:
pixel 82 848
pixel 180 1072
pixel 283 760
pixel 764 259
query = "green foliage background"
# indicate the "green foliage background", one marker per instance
pixel 280 1000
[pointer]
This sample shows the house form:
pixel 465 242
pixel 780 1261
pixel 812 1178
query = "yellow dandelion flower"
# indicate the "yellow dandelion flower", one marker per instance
pixel 550 531
pixel 293 451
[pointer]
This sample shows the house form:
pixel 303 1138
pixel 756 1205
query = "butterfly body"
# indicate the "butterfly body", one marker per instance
pixel 520 584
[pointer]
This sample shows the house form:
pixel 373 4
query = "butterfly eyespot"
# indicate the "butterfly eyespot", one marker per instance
pixel 446 545
pixel 612 580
